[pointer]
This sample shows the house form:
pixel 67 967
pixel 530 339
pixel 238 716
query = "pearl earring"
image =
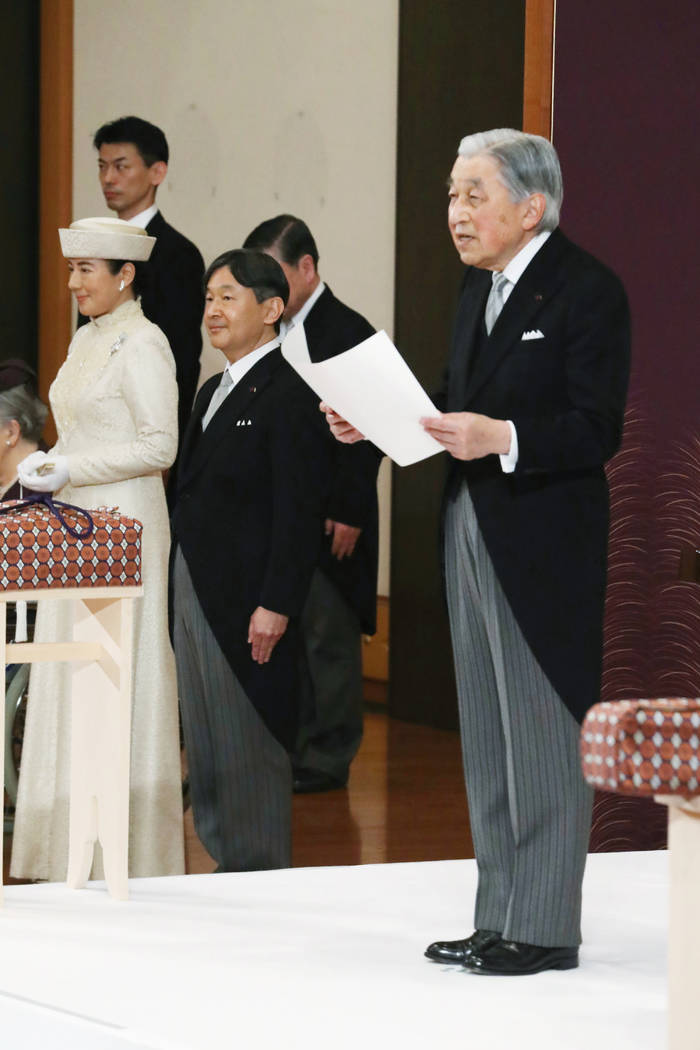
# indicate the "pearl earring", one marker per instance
pixel 121 285
pixel 8 442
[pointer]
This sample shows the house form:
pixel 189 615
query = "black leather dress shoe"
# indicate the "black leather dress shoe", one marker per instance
pixel 459 951
pixel 514 959
pixel 307 780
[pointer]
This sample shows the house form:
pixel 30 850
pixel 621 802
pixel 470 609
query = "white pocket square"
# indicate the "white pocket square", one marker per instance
pixel 534 333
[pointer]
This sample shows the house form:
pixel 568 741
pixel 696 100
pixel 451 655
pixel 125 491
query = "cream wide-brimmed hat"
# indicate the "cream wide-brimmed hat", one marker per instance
pixel 106 238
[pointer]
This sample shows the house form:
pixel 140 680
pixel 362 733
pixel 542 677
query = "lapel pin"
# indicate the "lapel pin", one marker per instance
pixel 253 389
pixel 538 298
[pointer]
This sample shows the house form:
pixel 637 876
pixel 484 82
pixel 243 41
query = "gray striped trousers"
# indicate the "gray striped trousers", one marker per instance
pixel 529 806
pixel 240 776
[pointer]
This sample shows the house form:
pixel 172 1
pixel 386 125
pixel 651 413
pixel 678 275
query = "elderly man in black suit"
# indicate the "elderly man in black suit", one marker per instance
pixel 247 525
pixel 533 407
pixel 133 162
pixel 342 601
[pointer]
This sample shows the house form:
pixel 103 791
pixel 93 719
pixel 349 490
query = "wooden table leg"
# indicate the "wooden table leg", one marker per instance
pixel 113 801
pixel 100 744
pixel 684 922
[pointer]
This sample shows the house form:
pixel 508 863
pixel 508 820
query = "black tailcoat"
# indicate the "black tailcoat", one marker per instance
pixel 174 300
pixel 331 327
pixel 546 524
pixel 249 518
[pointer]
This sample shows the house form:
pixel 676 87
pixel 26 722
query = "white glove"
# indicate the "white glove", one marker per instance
pixel 42 472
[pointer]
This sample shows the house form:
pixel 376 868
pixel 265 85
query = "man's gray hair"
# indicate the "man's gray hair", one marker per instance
pixel 22 404
pixel 527 164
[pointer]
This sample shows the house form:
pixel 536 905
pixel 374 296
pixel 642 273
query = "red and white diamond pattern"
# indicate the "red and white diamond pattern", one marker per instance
pixel 643 747
pixel 37 552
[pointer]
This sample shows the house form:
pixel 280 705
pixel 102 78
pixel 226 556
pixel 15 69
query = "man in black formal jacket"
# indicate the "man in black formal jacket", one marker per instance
pixel 342 601
pixel 532 407
pixel 247 525
pixel 133 161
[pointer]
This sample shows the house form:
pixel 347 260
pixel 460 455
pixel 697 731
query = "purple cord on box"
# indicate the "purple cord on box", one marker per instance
pixel 53 506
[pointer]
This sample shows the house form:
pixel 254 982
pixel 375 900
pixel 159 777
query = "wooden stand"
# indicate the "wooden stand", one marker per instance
pixel 100 723
pixel 684 919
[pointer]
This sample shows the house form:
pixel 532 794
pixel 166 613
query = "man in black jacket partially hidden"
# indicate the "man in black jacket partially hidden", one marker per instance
pixel 133 162
pixel 342 600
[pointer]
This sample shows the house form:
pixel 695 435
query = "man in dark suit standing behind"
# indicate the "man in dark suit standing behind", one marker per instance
pixel 247 524
pixel 532 407
pixel 133 161
pixel 342 601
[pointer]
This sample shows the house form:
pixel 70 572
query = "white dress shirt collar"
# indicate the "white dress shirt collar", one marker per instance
pixel 237 369
pixel 301 315
pixel 519 263
pixel 144 217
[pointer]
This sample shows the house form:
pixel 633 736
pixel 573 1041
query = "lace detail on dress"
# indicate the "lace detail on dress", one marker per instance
pixel 88 355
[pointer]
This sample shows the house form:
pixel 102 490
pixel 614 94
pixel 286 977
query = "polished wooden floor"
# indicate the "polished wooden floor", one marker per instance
pixel 405 801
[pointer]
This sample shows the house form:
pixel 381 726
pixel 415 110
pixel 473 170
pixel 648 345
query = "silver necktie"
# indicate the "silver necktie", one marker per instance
pixel 218 398
pixel 494 303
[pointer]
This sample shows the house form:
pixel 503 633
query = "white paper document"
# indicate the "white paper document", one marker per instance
pixel 373 388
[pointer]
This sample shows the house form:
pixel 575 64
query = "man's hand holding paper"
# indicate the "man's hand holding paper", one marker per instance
pixel 373 394
pixel 468 435
pixel 340 428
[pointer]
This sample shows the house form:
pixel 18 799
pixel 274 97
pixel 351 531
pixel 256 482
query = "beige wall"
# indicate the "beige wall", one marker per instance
pixel 269 106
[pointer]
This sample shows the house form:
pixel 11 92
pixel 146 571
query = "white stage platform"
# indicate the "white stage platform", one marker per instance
pixel 321 958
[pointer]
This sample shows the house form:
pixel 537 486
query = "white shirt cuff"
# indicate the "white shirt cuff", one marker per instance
pixel 510 459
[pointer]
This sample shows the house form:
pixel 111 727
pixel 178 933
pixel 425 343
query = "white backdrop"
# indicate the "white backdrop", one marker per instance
pixel 268 107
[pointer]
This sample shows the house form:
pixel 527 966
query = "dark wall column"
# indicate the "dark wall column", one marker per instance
pixel 55 187
pixel 460 71
pixel 19 57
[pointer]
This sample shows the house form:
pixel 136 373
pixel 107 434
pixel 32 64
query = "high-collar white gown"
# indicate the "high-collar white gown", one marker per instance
pixel 114 402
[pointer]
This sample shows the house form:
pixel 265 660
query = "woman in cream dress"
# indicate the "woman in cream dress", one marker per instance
pixel 114 402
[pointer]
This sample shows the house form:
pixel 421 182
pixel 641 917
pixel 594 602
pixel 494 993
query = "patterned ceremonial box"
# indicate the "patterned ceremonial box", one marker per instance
pixel 643 747
pixel 652 747
pixel 46 543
